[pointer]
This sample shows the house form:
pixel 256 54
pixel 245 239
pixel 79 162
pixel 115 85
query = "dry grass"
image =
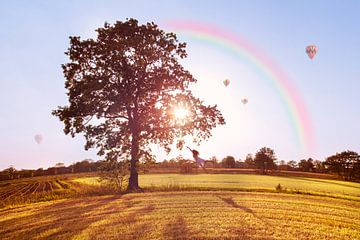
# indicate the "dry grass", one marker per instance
pixel 249 182
pixel 253 209
pixel 79 185
pixel 249 171
pixel 185 215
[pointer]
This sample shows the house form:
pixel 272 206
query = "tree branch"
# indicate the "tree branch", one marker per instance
pixel 117 116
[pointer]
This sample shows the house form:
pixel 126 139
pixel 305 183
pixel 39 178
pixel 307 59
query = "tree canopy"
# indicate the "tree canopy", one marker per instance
pixel 306 165
pixel 265 159
pixel 346 164
pixel 229 162
pixel 123 88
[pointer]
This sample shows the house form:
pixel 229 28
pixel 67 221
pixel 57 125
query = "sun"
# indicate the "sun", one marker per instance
pixel 180 113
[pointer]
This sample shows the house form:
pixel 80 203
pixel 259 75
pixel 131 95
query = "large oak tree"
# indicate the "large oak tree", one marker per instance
pixel 123 88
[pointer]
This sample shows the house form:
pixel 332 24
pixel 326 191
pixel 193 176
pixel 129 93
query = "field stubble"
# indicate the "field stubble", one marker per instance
pixel 186 215
pixel 242 207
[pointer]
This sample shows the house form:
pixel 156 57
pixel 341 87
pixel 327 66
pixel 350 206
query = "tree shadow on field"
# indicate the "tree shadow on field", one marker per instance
pixel 139 230
pixel 69 217
pixel 242 233
pixel 177 230
pixel 230 201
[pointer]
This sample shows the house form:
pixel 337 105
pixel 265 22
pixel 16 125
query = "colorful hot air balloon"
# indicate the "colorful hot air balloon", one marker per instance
pixel 226 82
pixel 244 101
pixel 38 138
pixel 311 51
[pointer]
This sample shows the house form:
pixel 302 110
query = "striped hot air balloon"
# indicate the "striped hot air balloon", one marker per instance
pixel 226 82
pixel 311 51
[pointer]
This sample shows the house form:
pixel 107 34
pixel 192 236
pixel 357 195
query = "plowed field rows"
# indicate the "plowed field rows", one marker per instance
pixel 31 188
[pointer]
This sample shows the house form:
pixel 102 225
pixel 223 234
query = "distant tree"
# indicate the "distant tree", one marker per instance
pixel 240 164
pixel 319 166
pixel 346 164
pixel 186 166
pixel 11 171
pixel 164 164
pixel 147 165
pixel 283 166
pixel 59 165
pixel 82 166
pixel 228 162
pixel 215 161
pixel 265 159
pixel 26 173
pixel 123 88
pixel 8 173
pixel 95 166
pixel 249 160
pixel 51 171
pixel 306 165
pixel 39 172
pixel 292 164
pixel 173 163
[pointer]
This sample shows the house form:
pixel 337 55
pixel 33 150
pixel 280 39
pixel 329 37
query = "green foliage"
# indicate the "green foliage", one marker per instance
pixel 249 161
pixel 123 87
pixel 265 159
pixel 86 165
pixel 115 173
pixel 319 166
pixel 228 162
pixel 215 162
pixel 346 164
pixel 292 164
pixel 186 166
pixel 306 165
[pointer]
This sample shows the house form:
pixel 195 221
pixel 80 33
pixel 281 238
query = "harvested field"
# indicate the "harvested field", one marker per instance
pixel 186 215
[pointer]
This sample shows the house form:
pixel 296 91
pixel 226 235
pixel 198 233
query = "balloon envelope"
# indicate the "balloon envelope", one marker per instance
pixel 38 138
pixel 226 82
pixel 311 51
pixel 244 101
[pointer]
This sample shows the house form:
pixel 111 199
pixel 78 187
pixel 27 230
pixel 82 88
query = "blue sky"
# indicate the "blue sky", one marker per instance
pixel 34 36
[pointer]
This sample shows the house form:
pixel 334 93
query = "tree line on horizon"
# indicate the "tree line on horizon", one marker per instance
pixel 86 165
pixel 346 165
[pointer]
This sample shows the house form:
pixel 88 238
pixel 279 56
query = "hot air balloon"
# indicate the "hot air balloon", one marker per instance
pixel 311 51
pixel 38 138
pixel 226 82
pixel 244 101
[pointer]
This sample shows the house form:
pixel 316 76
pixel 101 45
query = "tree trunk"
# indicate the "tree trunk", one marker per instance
pixel 134 176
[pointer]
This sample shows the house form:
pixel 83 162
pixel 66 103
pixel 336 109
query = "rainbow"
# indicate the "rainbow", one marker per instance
pixel 242 49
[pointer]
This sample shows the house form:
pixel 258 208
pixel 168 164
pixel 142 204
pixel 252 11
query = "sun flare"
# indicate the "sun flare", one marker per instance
pixel 180 113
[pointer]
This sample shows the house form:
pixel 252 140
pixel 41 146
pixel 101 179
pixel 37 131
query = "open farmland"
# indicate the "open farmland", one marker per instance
pixel 31 187
pixel 71 185
pixel 178 206
pixel 244 182
pixel 45 188
pixel 186 215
